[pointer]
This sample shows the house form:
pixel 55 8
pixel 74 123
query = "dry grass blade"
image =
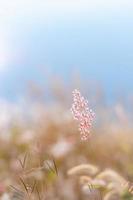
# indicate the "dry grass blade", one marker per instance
pixel 38 194
pixel 23 183
pixel 24 161
pixel 55 166
pixel 33 188
pixel 17 194
pixel 14 188
pixel 50 168
pixel 21 163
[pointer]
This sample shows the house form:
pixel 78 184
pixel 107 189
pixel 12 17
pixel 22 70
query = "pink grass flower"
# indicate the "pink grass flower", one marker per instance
pixel 82 114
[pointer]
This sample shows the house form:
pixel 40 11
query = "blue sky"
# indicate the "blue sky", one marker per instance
pixel 94 38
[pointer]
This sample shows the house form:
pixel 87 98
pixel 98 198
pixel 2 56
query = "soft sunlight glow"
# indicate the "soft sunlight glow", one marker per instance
pixel 13 13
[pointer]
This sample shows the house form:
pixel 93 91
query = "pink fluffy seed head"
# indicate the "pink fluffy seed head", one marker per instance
pixel 82 113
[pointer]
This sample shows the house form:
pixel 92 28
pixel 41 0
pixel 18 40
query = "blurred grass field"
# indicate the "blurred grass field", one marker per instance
pixel 41 131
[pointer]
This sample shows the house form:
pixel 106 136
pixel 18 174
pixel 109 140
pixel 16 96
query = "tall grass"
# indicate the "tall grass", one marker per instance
pixel 46 133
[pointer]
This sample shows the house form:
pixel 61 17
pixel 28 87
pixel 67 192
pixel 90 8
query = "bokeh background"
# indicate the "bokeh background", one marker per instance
pixel 47 49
